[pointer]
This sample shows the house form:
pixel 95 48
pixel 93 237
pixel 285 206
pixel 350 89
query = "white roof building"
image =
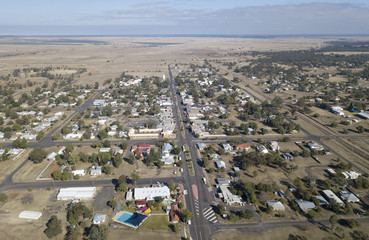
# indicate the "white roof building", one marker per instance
pixel 150 193
pixel 351 174
pixel 329 194
pixel 51 156
pixel 79 172
pixel 276 205
pixel 349 197
pixel 262 149
pixel 274 146
pixel 98 218
pixel 30 215
pixel 220 164
pixel 76 193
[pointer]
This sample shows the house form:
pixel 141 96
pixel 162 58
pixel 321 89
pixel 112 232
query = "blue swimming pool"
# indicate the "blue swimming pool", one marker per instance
pixel 131 219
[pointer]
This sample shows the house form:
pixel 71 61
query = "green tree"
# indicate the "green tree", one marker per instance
pixel 20 143
pixel 54 227
pixel 135 176
pixel 124 145
pixel 172 185
pixel 186 215
pixel 99 232
pixel 37 155
pixel 122 187
pixel 333 221
pixel 117 160
pixel 3 197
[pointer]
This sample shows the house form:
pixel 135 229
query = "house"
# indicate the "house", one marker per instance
pixel 349 197
pixel 150 193
pixel 229 197
pixel 201 146
pixel 220 164
pixel 287 156
pixel 174 214
pixel 322 200
pixel 142 149
pixel 305 205
pixel 14 151
pixel 104 150
pixel 315 146
pixel 243 146
pixel 2 151
pixel 168 159
pixel 274 146
pixel 276 205
pixel 351 174
pixel 120 151
pixel 330 195
pixel 227 147
pixel 222 181
pixel 167 147
pixel 262 149
pixel 140 203
pixel 80 172
pixel 98 218
pixel 96 172
pixel 51 156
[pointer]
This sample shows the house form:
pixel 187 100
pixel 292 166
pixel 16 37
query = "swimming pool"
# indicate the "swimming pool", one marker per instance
pixel 133 220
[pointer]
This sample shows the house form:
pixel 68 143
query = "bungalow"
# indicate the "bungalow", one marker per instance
pixel 140 203
pixel 227 147
pixel 80 172
pixel 315 146
pixel 120 151
pixel 322 200
pixel 51 156
pixel 98 218
pixel 351 174
pixel 262 149
pixel 174 214
pixel 349 197
pixel 243 146
pixel 305 205
pixel 96 172
pixel 201 146
pixel 104 150
pixel 220 164
pixel 287 156
pixel 150 193
pixel 330 195
pixel 276 205
pixel 274 146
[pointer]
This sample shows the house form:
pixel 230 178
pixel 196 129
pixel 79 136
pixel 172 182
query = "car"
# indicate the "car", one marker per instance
pixel 204 180
pixel 189 222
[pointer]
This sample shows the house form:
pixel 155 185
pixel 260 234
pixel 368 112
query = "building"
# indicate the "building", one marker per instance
pixel 140 203
pixel 305 205
pixel 322 200
pixel 330 195
pixel 262 149
pixel 51 156
pixel 201 146
pixel 104 150
pixel 76 193
pixel 349 197
pixel 351 174
pixel 363 115
pixel 79 172
pixel 220 164
pixel 98 218
pixel 276 205
pixel 30 215
pixel 287 156
pixel 243 146
pixel 315 146
pixel 228 197
pixel 150 193
pixel 174 214
pixel 96 172
pixel 145 133
pixel 227 147
pixel 274 146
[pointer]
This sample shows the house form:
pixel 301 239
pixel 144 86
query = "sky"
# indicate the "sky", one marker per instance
pixel 175 17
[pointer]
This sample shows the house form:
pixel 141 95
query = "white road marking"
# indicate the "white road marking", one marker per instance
pixel 212 218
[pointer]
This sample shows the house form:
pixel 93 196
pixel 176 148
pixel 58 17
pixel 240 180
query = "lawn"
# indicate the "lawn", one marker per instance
pixel 156 223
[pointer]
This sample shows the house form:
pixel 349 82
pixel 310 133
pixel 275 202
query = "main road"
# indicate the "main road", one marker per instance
pixel 198 198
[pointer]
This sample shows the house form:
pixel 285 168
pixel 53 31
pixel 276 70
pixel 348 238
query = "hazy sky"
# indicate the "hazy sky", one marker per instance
pixel 243 17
